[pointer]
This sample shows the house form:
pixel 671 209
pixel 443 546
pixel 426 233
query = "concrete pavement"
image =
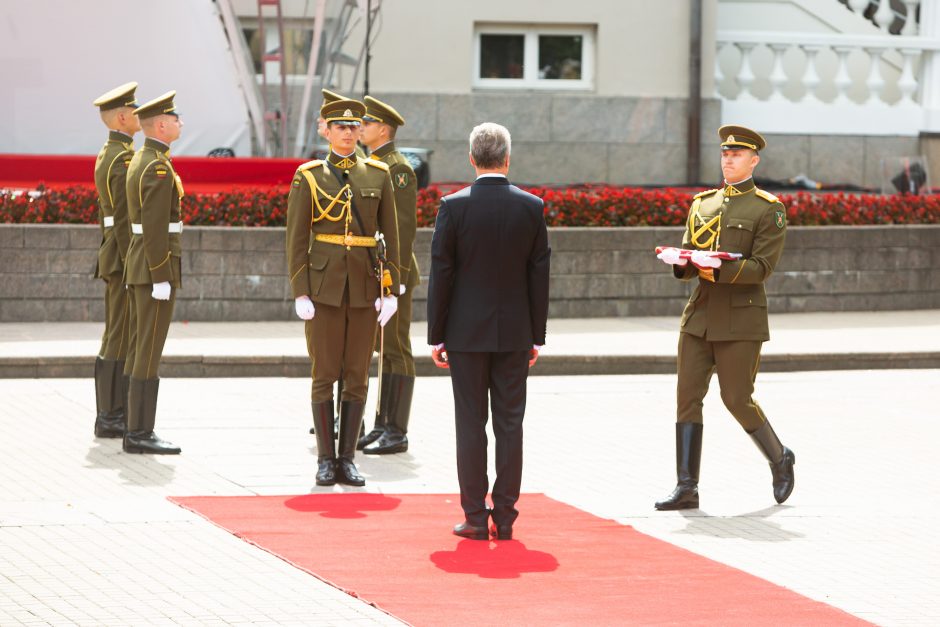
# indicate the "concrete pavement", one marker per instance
pixel 87 536
pixel 805 341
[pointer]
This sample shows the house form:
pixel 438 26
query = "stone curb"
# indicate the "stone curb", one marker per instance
pixel 195 366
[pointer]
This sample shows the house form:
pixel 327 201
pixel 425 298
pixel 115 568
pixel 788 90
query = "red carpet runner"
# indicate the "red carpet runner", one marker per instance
pixel 566 567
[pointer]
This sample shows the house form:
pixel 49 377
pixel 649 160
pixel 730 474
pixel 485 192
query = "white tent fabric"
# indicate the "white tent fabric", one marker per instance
pixel 56 57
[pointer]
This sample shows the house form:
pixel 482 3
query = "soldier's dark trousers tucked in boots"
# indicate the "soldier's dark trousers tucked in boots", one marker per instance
pixel 141 418
pixel 688 463
pixel 399 394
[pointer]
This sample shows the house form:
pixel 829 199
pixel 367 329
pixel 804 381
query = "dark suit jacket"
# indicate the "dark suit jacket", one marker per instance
pixel 488 288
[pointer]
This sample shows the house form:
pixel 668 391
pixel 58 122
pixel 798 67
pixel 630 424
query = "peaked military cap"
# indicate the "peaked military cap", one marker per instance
pixel 122 96
pixel 343 111
pixel 734 136
pixel 158 106
pixel 378 111
pixel 331 96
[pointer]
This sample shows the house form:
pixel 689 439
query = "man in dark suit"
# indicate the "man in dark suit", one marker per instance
pixel 487 311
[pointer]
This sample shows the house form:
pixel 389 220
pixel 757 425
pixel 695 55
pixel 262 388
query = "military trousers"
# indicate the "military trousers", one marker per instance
pixel 114 341
pixel 397 357
pixel 131 296
pixel 339 342
pixel 736 364
pixel 153 322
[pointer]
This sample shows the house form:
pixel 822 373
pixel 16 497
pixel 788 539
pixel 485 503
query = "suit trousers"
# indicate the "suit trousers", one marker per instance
pixel 498 380
pixel 736 364
pixel 397 357
pixel 153 323
pixel 339 342
pixel 114 339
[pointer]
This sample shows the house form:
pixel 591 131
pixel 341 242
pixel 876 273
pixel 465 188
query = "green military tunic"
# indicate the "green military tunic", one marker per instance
pixel 725 320
pixel 110 183
pixel 154 191
pixel 339 279
pixel 397 351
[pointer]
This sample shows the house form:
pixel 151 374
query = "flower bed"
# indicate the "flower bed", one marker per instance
pixel 584 205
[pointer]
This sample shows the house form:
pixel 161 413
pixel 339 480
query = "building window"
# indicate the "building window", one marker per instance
pixel 539 57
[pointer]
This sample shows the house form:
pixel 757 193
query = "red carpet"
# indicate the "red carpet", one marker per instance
pixel 567 566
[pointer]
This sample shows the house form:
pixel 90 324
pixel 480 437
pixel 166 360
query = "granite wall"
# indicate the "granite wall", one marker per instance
pixel 239 273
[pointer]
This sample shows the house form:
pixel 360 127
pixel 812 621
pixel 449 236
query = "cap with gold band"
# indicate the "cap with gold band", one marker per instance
pixel 331 96
pixel 349 111
pixel 122 96
pixel 158 106
pixel 734 136
pixel 378 111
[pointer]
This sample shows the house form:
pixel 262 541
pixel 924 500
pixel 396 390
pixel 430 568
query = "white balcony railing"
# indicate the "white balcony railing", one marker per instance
pixel 831 83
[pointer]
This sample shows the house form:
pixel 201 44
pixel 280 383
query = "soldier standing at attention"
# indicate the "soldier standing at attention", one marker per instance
pixel 117 112
pixel 153 270
pixel 338 211
pixel 725 320
pixel 389 435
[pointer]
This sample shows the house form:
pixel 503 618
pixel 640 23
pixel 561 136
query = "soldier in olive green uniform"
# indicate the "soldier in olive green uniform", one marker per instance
pixel 117 112
pixel 335 211
pixel 725 320
pixel 389 435
pixel 153 268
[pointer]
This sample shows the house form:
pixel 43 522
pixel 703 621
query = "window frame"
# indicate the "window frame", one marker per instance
pixel 530 73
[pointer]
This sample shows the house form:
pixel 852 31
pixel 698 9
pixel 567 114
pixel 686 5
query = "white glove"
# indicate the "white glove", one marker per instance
pixel 671 256
pixel 161 291
pixel 402 289
pixel 701 259
pixel 304 308
pixel 386 306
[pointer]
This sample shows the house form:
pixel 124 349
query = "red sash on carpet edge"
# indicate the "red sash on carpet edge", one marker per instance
pixel 396 552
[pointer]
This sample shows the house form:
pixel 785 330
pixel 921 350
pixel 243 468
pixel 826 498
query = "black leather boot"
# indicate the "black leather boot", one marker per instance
pixel 781 460
pixel 326 448
pixel 350 420
pixel 394 440
pixel 142 439
pixel 688 462
pixel 109 419
pixel 119 395
pixel 381 418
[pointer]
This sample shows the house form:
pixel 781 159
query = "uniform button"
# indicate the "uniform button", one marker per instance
pixel 372 194
pixel 727 199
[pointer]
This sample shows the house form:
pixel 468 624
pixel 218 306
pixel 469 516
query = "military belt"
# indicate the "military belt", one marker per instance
pixel 108 222
pixel 346 240
pixel 172 227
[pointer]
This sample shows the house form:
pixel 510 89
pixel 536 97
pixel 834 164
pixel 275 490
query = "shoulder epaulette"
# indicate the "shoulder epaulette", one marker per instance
pixel 766 195
pixel 377 164
pixel 705 193
pixel 310 164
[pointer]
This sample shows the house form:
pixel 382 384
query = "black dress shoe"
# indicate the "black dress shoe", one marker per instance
pixel 466 530
pixel 347 473
pixel 501 532
pixel 148 442
pixel 326 471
